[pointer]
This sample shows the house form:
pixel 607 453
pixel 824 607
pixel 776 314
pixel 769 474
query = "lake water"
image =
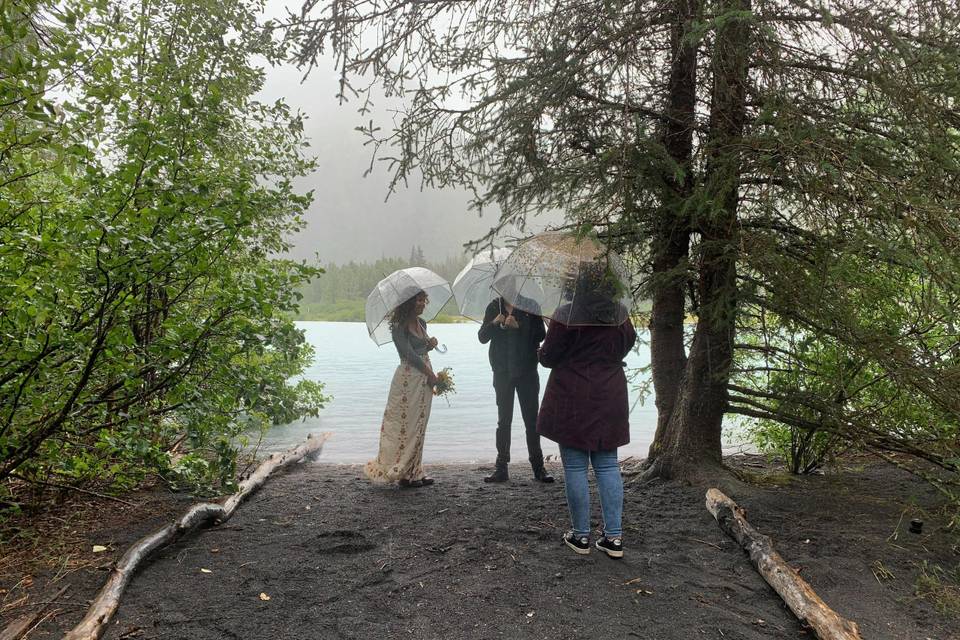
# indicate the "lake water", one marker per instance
pixel 357 374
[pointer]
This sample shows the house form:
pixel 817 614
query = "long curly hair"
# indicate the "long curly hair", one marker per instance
pixel 400 316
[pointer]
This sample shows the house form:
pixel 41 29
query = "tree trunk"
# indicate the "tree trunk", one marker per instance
pixel 672 231
pixel 690 445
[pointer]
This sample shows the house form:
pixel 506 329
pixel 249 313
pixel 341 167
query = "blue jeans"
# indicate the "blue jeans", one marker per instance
pixel 609 485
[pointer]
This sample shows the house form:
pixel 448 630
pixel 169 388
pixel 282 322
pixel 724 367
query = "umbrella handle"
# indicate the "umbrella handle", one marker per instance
pixel 440 348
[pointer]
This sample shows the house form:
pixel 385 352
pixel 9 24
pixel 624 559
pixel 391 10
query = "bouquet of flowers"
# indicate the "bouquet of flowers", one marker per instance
pixel 445 385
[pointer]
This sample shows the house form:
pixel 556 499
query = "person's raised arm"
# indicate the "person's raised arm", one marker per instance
pixel 431 342
pixel 556 344
pixel 490 323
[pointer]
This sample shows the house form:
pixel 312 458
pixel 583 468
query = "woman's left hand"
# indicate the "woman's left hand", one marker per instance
pixel 432 342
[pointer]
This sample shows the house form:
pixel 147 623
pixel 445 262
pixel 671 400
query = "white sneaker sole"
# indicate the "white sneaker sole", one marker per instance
pixel 582 552
pixel 609 552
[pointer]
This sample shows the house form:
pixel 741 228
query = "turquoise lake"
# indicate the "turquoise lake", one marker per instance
pixel 357 373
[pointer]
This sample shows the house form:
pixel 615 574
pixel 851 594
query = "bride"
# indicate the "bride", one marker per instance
pixel 408 405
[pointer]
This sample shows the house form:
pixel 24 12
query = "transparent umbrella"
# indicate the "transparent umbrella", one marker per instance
pixel 397 288
pixel 472 286
pixel 569 278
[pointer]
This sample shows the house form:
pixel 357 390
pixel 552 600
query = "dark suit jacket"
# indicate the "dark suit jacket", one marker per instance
pixel 513 352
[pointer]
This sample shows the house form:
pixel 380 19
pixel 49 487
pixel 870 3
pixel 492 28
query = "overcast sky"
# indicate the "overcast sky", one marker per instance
pixel 349 218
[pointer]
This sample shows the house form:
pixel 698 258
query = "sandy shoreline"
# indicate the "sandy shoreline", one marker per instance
pixel 340 558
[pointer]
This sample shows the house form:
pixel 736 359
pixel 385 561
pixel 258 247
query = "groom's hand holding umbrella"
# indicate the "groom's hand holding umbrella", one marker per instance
pixel 511 322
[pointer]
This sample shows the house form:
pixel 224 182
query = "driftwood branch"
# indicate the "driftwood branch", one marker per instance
pixel 107 601
pixel 796 593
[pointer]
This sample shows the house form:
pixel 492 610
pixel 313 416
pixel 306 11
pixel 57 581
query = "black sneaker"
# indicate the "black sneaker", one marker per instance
pixel 613 547
pixel 581 545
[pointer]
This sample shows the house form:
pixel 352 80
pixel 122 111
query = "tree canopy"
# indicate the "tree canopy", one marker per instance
pixel 784 171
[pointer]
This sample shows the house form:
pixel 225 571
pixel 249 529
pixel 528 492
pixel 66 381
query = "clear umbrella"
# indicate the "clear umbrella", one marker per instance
pixel 569 278
pixel 472 286
pixel 397 288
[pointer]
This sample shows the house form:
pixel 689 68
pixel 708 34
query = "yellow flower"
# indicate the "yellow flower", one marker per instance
pixel 445 384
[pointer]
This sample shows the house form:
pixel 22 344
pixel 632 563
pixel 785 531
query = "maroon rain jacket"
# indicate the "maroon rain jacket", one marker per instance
pixel 585 403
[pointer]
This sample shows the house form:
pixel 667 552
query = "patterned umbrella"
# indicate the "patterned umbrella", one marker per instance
pixel 397 288
pixel 472 286
pixel 569 278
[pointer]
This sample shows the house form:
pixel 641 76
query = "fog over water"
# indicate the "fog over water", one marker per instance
pixel 350 218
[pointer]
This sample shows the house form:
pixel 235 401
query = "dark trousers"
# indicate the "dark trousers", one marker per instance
pixel 527 389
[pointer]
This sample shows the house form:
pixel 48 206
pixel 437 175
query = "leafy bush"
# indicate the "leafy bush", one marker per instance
pixel 145 202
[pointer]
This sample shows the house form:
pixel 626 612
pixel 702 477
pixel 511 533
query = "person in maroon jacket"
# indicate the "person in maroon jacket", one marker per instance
pixel 585 410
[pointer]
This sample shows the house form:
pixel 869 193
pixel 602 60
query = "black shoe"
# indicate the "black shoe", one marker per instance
pixel 612 547
pixel 499 475
pixel 410 484
pixel 581 545
pixel 426 482
pixel 542 476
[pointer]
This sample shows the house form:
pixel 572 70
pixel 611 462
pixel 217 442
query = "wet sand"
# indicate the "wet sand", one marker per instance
pixel 341 558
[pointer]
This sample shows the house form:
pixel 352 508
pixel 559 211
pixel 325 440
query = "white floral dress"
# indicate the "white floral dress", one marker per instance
pixel 403 428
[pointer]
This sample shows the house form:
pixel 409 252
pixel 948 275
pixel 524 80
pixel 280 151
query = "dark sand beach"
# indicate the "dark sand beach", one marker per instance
pixel 340 558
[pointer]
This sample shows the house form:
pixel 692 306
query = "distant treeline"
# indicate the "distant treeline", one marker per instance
pixel 339 294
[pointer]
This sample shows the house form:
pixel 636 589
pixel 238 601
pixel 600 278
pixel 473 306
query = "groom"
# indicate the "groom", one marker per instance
pixel 514 336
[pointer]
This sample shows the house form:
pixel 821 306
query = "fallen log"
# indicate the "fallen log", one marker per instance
pixel 799 596
pixel 105 604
